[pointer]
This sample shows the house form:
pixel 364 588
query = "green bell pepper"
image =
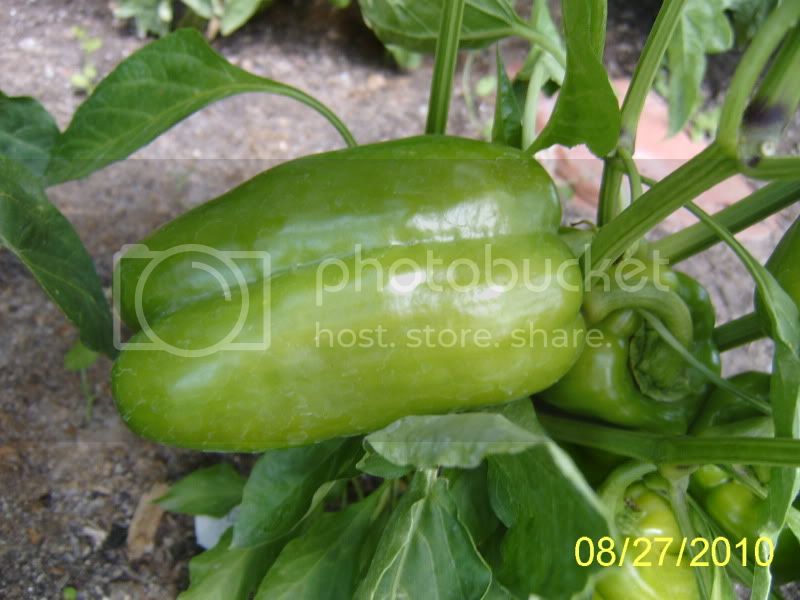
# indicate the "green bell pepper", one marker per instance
pixel 642 512
pixel 627 375
pixel 349 354
pixel 735 506
pixel 416 190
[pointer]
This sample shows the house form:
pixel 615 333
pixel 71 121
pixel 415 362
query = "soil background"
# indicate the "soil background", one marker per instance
pixel 69 488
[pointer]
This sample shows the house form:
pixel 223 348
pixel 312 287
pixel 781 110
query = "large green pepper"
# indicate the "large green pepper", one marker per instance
pixel 736 507
pixel 412 334
pixel 421 189
pixel 627 375
pixel 643 513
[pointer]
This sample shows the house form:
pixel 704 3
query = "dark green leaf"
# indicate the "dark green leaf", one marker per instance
pixel 375 464
pixel 703 29
pixel 456 440
pixel 229 573
pixel 526 491
pixel 212 491
pixel 238 12
pixel 414 24
pixel 587 110
pixel 469 490
pixel 507 127
pixel 48 245
pixel 79 357
pixel 149 92
pixel 27 132
pixel 283 485
pixel 322 563
pixel 425 551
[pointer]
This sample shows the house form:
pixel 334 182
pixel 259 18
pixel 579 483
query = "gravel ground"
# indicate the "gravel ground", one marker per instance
pixel 68 488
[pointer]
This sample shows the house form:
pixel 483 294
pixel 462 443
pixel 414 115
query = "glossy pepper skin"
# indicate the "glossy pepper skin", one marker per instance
pixel 416 190
pixel 607 383
pixel 735 507
pixel 643 512
pixel 351 354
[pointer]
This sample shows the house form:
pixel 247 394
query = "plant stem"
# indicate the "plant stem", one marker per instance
pixel 737 217
pixel 738 332
pixel 668 305
pixel 529 114
pixel 633 104
pixel 770 35
pixel 444 66
pixel 633 173
pixel 647 68
pixel 678 497
pixel 542 41
pixel 674 450
pixel 701 173
pixel 775 101
pixel 781 167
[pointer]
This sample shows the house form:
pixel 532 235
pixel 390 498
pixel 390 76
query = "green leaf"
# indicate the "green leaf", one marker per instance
pixel 45 241
pixel 322 563
pixel 375 464
pixel 507 127
pixel 586 84
pixel 469 489
pixel 456 440
pixel 748 15
pixel 526 491
pixel 79 357
pixel 239 12
pixel 212 491
pixel 425 551
pixel 414 24
pixel 27 132
pixel 147 14
pixel 784 321
pixel 203 8
pixel 282 486
pixel 703 29
pixel 405 59
pixel 148 93
pixel 227 572
pixel 444 67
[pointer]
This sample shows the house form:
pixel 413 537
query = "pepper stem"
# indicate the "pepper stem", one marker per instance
pixel 667 305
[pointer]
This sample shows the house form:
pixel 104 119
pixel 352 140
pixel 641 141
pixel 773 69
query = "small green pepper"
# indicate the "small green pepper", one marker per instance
pixel 649 571
pixel 630 377
pixel 736 507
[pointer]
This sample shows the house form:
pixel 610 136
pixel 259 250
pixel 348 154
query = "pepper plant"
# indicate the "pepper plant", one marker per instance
pixel 475 471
